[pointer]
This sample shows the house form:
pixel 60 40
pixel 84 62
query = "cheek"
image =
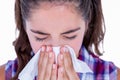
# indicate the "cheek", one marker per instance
pixel 34 44
pixel 76 45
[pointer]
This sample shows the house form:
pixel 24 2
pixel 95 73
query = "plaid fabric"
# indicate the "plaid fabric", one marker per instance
pixel 102 70
pixel 10 69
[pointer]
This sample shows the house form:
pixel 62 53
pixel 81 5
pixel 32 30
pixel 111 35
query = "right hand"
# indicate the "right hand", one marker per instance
pixel 47 69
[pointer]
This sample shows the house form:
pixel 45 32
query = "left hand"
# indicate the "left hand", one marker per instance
pixel 65 66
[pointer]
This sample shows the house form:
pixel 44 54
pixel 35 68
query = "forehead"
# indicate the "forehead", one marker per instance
pixel 55 17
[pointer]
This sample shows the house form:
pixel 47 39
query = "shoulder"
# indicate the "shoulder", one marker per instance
pixel 101 66
pixel 11 68
pixel 98 65
pixel 118 76
pixel 2 72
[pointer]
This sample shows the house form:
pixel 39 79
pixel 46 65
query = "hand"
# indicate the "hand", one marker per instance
pixel 47 70
pixel 66 70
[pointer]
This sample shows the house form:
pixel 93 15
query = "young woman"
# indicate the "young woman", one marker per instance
pixel 47 23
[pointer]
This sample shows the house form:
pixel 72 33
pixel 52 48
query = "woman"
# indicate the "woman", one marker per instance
pixel 47 23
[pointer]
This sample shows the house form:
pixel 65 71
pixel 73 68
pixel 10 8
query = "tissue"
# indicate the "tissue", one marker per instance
pixel 31 69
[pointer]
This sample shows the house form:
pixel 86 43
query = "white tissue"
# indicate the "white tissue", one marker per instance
pixel 31 69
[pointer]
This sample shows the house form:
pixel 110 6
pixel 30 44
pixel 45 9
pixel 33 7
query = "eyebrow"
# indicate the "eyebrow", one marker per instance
pixel 67 32
pixel 39 32
pixel 71 31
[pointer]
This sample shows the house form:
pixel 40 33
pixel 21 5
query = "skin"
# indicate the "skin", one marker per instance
pixel 2 72
pixel 61 26
pixel 57 23
pixel 118 75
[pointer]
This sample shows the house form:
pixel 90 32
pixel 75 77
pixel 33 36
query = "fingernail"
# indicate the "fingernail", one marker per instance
pixel 43 48
pixel 50 54
pixel 54 66
pixel 61 57
pixel 48 48
pixel 61 69
pixel 65 49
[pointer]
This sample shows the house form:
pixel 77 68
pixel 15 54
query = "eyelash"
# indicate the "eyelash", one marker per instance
pixel 70 38
pixel 40 39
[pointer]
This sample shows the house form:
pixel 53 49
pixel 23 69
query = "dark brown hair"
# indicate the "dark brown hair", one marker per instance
pixel 91 11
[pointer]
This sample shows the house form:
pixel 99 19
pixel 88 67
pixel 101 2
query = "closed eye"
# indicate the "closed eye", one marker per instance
pixel 40 39
pixel 72 37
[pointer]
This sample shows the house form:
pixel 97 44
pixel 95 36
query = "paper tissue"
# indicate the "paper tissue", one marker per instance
pixel 31 69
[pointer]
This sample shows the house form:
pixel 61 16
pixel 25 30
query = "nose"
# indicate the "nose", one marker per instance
pixel 55 42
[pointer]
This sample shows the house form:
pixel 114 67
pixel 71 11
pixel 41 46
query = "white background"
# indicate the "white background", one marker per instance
pixel 112 38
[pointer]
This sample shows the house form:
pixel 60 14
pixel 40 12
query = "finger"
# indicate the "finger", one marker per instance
pixel 60 73
pixel 61 64
pixel 42 53
pixel 42 65
pixel 65 76
pixel 67 59
pixel 69 70
pixel 60 60
pixel 54 72
pixel 43 49
pixel 49 66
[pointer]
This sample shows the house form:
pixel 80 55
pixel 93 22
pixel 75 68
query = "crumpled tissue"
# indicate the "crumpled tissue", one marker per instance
pixel 31 69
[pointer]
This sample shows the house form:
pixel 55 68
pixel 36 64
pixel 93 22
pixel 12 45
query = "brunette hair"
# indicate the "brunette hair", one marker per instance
pixel 91 12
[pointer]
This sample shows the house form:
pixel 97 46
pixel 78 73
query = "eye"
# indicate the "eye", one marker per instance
pixel 40 39
pixel 72 37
